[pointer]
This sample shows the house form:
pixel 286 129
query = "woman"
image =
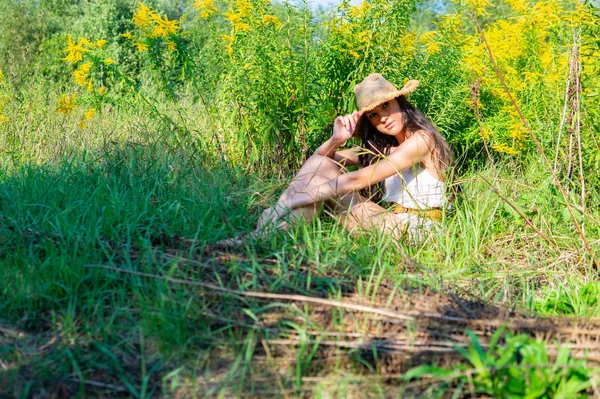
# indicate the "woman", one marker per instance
pixel 403 155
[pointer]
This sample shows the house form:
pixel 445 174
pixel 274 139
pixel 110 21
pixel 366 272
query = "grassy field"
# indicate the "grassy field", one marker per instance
pixel 111 284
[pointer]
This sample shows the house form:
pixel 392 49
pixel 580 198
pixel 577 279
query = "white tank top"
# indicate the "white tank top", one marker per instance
pixel 415 188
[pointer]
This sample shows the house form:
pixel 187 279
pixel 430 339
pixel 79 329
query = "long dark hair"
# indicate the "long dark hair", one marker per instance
pixel 377 145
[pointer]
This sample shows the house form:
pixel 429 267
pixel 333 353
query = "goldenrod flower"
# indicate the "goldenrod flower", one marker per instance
pixel 505 149
pixel 485 134
pixel 354 54
pixel 163 27
pixel 66 104
pixel 227 38
pixel 109 61
pixel 142 17
pixel 85 42
pixel 102 90
pixel 478 6
pixel 361 10
pixel 75 51
pixel 81 74
pixel 127 35
pixel 90 85
pixel 432 46
pixel 242 27
pixel 244 7
pixel 232 17
pixel 100 43
pixel 271 19
pixel 207 8
pixel 141 46
pixel 90 113
pixel 1 76
pixel 171 45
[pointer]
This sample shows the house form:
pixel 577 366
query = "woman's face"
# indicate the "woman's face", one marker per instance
pixel 387 118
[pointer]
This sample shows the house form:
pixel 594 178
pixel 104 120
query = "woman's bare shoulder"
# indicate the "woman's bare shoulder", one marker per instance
pixel 423 136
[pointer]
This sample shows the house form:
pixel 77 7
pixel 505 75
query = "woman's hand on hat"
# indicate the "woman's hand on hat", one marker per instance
pixel 344 127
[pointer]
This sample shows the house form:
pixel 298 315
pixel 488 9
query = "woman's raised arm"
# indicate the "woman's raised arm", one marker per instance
pixel 414 150
pixel 343 129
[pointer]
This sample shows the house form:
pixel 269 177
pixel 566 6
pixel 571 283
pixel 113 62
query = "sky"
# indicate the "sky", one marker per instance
pixel 324 3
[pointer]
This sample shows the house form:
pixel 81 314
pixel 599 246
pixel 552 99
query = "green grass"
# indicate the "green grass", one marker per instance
pixel 124 194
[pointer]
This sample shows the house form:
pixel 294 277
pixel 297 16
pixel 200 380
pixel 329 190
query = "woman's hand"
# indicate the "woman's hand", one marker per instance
pixel 344 126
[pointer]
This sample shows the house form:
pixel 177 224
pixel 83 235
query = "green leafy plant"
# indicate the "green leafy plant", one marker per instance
pixel 513 366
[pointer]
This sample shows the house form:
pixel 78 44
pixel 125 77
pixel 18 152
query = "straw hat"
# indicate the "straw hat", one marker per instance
pixel 375 89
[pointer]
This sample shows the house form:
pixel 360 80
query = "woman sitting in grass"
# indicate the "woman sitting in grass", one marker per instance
pixel 403 156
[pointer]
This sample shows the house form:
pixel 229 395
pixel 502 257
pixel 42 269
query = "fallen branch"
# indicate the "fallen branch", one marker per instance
pixel 264 295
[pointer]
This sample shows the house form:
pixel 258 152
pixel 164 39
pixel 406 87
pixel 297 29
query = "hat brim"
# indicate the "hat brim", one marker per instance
pixel 409 87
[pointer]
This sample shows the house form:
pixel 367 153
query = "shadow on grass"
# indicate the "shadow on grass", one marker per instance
pixel 365 335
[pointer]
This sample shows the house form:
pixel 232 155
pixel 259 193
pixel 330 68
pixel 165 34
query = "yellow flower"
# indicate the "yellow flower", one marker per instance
pixel 505 149
pixel 242 27
pixel 171 45
pixel 485 134
pixel 519 6
pixel 75 51
pixel 271 19
pixel 354 54
pixel 360 11
pixel 100 43
pixel 244 7
pixel 81 124
pixel 66 104
pixel 227 38
pixel 142 17
pixel 127 35
pixel 207 8
pixel 90 113
pixel 164 27
pixel 102 90
pixel 109 61
pixel 141 46
pixel 81 74
pixel 430 42
pixel 1 76
pixel 478 6
pixel 90 85
pixel 232 17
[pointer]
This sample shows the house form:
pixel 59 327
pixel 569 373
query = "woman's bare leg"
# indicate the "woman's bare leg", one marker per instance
pixel 354 212
pixel 315 171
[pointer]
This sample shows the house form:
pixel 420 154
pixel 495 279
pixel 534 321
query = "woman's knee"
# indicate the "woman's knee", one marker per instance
pixel 318 166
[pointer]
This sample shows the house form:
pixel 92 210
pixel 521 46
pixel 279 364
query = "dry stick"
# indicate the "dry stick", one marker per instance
pixel 480 124
pixel 277 376
pixel 564 113
pixel 527 220
pixel 538 145
pixel 263 295
pixel 394 315
pixel 578 131
pixel 395 348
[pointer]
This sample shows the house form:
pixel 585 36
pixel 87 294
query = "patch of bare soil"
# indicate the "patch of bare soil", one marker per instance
pixel 378 333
